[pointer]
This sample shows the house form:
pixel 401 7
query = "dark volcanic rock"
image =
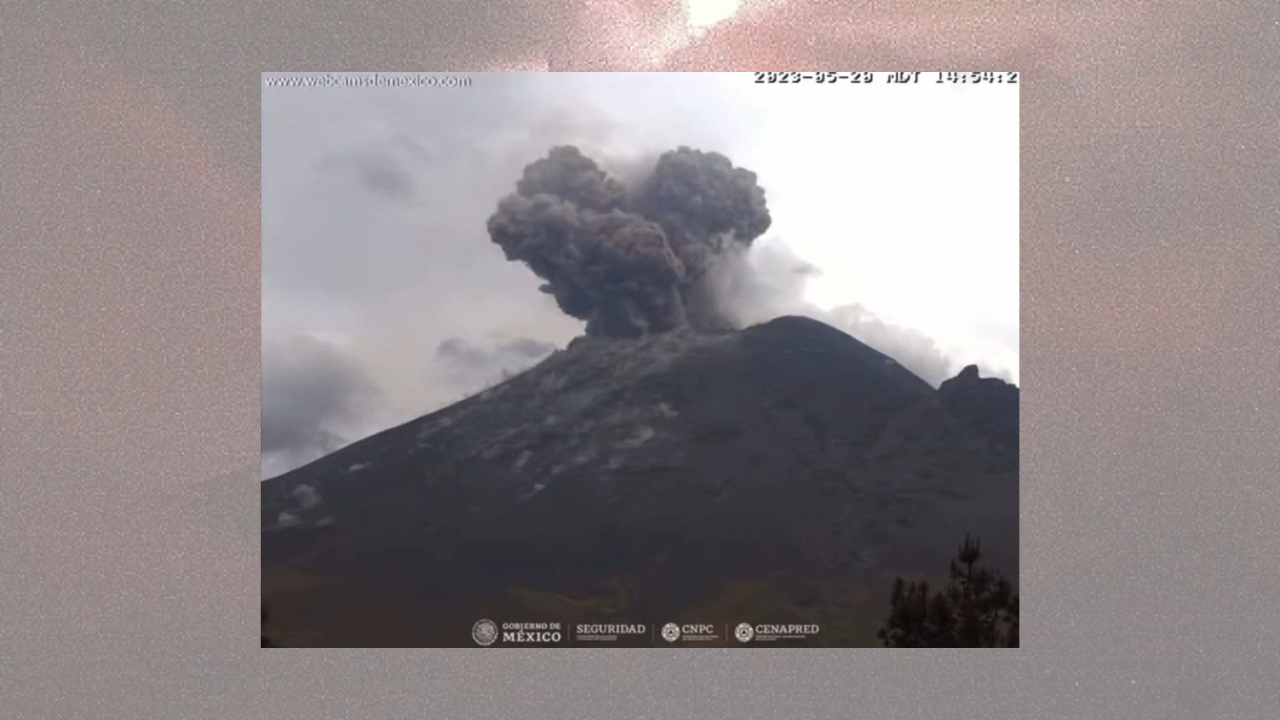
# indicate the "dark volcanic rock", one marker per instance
pixel 787 452
pixel 987 407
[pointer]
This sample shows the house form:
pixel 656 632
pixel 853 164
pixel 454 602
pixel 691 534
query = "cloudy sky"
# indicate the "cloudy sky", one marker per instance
pixel 895 217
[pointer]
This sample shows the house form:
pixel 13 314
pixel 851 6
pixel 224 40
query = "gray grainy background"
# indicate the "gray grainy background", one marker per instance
pixel 130 362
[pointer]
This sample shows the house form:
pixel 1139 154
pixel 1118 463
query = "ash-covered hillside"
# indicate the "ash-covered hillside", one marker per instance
pixel 676 466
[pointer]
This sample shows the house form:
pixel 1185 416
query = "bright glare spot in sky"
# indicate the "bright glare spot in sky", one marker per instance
pixel 705 13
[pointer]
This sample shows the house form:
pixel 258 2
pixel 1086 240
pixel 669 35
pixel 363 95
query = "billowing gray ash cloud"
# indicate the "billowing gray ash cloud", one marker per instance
pixel 631 261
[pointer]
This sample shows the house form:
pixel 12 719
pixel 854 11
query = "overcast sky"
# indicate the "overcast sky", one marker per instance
pixel 895 216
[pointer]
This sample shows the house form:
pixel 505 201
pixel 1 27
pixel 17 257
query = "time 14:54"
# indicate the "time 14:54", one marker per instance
pixel 974 78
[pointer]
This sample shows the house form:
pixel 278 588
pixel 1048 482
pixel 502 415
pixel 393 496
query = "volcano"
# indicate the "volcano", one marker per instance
pixel 784 471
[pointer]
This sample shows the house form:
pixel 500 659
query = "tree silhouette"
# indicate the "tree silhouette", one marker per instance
pixel 266 641
pixel 978 608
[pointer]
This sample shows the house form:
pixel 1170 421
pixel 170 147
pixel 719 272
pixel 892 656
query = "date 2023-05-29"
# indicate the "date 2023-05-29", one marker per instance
pixel 904 78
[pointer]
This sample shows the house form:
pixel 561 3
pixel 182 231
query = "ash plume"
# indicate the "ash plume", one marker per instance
pixel 631 261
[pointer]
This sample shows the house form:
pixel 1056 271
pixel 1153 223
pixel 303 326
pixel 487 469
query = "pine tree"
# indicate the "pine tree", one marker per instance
pixel 978 608
pixel 266 641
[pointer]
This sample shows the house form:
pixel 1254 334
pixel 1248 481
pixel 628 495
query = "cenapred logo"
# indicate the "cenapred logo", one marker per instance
pixel 767 632
pixel 484 632
pixel 671 632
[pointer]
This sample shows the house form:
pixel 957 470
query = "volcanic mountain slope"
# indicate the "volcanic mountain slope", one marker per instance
pixel 788 455
pixel 987 407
